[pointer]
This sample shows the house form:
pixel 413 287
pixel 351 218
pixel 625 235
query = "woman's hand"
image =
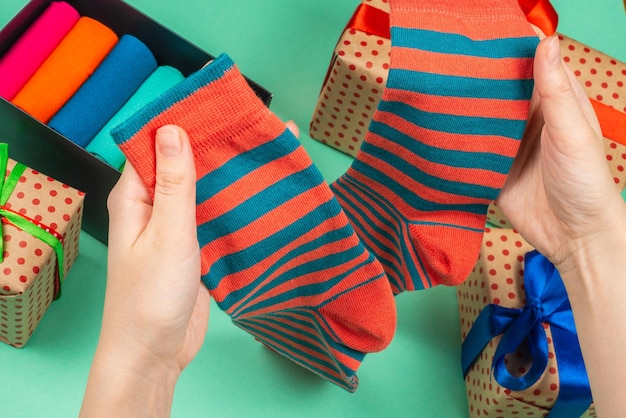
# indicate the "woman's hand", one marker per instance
pixel 561 197
pixel 560 194
pixel 156 309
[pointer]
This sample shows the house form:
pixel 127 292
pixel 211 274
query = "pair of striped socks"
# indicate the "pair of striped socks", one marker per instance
pixel 311 270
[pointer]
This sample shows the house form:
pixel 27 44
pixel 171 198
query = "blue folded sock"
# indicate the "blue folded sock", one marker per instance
pixel 102 145
pixel 115 80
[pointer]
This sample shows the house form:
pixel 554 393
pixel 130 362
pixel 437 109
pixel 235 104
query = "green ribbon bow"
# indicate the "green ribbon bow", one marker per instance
pixel 31 227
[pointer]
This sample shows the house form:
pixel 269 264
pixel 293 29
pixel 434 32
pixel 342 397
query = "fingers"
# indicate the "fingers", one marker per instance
pixel 291 125
pixel 565 111
pixel 174 206
pixel 538 31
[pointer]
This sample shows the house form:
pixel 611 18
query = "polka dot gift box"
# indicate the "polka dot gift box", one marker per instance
pixel 355 80
pixel 511 288
pixel 41 222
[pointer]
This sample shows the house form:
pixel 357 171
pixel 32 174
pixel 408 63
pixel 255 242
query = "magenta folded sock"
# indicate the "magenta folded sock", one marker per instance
pixel 35 45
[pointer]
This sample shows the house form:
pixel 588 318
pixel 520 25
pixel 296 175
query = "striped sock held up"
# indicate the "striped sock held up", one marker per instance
pixel 443 137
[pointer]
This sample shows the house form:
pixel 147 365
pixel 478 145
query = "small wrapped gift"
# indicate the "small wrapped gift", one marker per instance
pixel 41 221
pixel 521 355
pixel 355 79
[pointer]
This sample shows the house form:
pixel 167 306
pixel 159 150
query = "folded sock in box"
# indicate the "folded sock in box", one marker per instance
pixel 27 54
pixel 66 69
pixel 115 80
pixel 102 145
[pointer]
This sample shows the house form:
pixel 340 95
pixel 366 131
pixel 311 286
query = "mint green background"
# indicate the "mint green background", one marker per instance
pixel 285 45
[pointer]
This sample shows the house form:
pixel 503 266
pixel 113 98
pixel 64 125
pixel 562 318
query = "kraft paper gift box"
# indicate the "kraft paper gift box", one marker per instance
pixel 513 304
pixel 355 80
pixel 41 222
pixel 44 149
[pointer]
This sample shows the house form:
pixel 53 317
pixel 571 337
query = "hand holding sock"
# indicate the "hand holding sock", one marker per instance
pixel 278 253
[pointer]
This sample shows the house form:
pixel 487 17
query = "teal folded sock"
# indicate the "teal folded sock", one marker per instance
pixel 102 145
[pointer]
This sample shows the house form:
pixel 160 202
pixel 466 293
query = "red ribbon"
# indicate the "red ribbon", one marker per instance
pixel 612 122
pixel 53 232
pixel 541 14
pixel 370 20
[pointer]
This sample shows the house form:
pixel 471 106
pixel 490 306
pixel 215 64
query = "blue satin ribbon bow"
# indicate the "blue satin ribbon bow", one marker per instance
pixel 546 301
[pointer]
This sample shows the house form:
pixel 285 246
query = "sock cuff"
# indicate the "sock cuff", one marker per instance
pixel 218 92
pixel 502 18
pixel 467 9
pixel 215 106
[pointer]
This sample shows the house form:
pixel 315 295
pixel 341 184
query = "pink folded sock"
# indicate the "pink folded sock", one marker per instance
pixel 34 46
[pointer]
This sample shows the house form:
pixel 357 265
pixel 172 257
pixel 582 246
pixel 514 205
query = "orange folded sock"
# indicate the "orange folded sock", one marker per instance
pixel 66 69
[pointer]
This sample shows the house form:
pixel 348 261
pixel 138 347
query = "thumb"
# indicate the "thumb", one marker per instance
pixel 174 206
pixel 566 108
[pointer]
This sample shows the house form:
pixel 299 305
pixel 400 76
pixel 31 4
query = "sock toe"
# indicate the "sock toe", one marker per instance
pixel 366 324
pixel 433 242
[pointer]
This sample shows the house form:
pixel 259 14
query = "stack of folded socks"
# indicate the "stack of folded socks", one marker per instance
pixel 74 74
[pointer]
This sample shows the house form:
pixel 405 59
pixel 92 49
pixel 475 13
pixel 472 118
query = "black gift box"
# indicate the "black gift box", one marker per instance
pixel 37 146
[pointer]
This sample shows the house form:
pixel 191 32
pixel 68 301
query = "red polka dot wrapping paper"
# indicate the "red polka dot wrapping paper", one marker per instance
pixel 353 88
pixel 27 273
pixel 498 278
pixel 602 76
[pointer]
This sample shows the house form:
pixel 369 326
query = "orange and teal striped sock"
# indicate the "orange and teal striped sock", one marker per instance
pixel 443 138
pixel 278 254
